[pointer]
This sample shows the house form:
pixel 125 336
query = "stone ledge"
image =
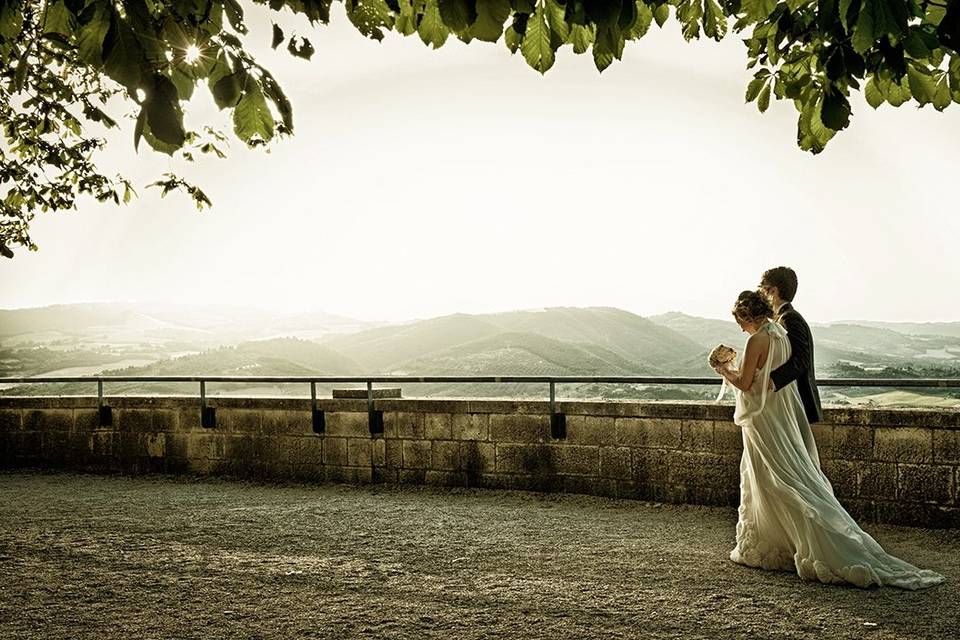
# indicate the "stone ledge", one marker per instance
pixel 684 410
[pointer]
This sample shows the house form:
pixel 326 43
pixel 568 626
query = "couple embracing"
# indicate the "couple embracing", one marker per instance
pixel 789 518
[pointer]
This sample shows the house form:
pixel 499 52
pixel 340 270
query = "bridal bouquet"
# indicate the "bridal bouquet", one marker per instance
pixel 721 355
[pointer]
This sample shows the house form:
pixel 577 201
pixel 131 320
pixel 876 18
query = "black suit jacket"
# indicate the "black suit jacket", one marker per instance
pixel 799 367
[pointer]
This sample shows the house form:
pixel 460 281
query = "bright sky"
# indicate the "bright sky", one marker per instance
pixel 424 182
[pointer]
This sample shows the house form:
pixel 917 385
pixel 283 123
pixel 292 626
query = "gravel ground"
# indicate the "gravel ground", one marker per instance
pixel 160 557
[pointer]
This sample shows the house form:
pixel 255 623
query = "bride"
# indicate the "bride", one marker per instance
pixel 789 519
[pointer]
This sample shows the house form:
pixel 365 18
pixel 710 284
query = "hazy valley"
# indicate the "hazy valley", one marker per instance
pixel 153 339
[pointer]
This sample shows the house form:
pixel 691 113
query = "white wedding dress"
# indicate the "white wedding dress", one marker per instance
pixel 789 518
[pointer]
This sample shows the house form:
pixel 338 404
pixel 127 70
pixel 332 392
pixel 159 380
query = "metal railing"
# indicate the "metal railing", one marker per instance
pixel 557 419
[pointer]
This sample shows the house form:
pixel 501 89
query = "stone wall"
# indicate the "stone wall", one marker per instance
pixel 898 466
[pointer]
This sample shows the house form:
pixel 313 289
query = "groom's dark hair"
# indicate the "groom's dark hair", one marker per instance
pixel 784 279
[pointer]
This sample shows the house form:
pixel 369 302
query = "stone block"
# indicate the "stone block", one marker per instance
pixel 477 458
pixel 577 459
pixel 946 445
pixel 714 496
pixel 238 421
pixel 393 450
pixel 335 451
pixel 878 480
pixel 843 475
pixel 852 442
pixel 823 436
pixel 903 444
pixel 48 420
pixel 650 465
pixel 382 474
pixel 917 514
pixel 101 444
pixel 413 476
pixel 177 445
pixel 153 445
pixel 347 424
pixel 615 463
pixel 925 483
pixel 658 433
pixel 87 421
pixel 446 455
pixel 378 452
pixel 703 469
pixel 416 454
pixel 286 422
pixel 445 478
pixel 591 430
pixel 305 451
pixel 188 419
pixel 438 426
pixel 696 435
pixel 10 420
pixel 359 452
pixel 133 420
pixel 727 438
pixel 402 424
pixel 208 446
pixel 535 459
pixel 518 427
pixel 470 426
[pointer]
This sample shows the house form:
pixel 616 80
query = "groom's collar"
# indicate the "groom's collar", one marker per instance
pixel 783 308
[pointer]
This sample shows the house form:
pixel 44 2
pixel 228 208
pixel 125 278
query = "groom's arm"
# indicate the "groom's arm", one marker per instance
pixel 799 362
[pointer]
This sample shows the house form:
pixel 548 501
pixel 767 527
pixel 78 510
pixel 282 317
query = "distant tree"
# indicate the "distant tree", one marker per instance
pixel 67 65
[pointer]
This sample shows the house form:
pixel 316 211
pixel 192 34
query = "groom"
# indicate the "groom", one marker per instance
pixel 779 285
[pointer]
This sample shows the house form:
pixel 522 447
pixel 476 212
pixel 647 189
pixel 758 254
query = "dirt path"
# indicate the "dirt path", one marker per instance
pixel 96 557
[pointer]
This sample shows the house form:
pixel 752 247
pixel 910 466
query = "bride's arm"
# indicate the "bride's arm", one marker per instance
pixel 743 379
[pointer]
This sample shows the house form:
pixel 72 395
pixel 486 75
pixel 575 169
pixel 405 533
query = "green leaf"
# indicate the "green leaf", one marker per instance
pixel 872 93
pixel 878 18
pixel 370 17
pixel 300 47
pixel 491 15
pixel 59 19
pixel 844 10
pixel 164 117
pixel 835 111
pixel 91 34
pixel 714 20
pixel 581 36
pixel 235 15
pixel 277 36
pixel 556 18
pixel 812 135
pixel 642 24
pixel 123 56
pixel 512 39
pixel 661 13
pixel 536 42
pixel 252 121
pixel 921 84
pixel 601 59
pixel 757 10
pixel 754 88
pixel 948 30
pixel 432 30
pixel 226 91
pixel 942 98
pixel 457 14
pixel 763 101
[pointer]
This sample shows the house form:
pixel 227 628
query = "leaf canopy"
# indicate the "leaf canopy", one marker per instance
pixel 61 61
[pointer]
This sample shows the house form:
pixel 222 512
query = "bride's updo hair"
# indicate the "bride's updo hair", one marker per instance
pixel 752 307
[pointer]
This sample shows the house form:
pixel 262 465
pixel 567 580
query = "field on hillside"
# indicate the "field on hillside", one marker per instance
pixel 562 341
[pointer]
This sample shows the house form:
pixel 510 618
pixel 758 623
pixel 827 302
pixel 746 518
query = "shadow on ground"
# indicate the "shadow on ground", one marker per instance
pixel 93 557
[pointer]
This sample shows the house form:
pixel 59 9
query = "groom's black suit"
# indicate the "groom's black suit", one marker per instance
pixel 799 367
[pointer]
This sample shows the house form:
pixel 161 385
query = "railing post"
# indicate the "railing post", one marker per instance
pixel 317 417
pixel 558 421
pixel 374 417
pixel 104 412
pixel 208 415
